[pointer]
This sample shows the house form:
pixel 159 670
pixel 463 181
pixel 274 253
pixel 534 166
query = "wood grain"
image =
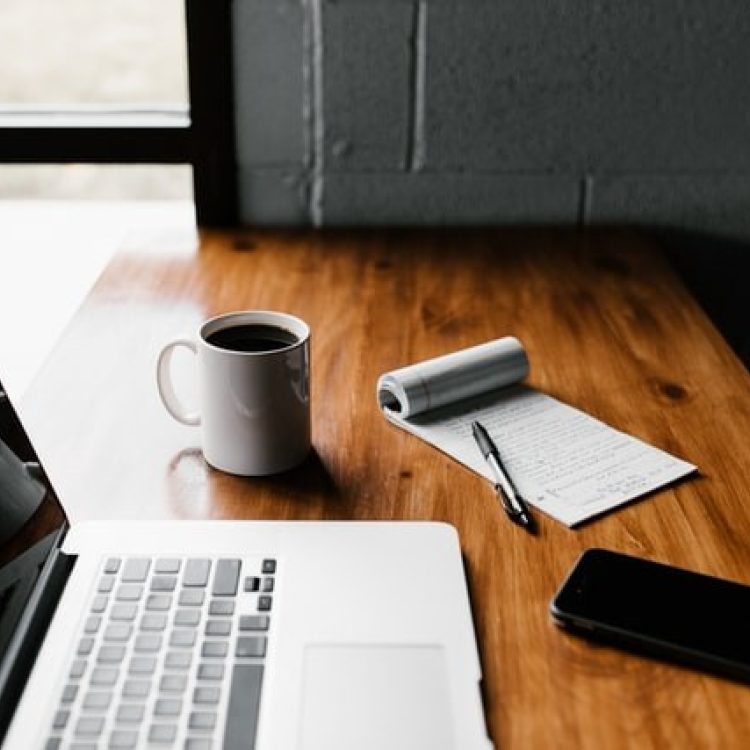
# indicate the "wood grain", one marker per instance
pixel 609 329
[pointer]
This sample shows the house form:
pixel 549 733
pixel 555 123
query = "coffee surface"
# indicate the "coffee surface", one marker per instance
pixel 252 338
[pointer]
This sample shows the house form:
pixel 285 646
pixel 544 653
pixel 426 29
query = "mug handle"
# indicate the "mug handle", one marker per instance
pixel 164 382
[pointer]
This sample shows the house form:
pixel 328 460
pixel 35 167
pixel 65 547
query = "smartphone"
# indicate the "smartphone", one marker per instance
pixel 658 610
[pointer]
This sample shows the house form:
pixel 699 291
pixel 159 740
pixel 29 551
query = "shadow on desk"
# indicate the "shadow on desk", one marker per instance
pixel 716 270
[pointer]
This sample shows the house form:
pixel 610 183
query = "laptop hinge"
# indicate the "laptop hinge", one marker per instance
pixel 31 629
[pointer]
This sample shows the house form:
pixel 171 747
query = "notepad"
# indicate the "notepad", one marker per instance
pixel 563 461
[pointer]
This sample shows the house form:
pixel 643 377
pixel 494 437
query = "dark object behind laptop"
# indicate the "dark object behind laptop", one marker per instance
pixel 31 525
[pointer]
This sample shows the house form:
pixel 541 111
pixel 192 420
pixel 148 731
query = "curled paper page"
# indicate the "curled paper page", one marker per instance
pixel 453 377
pixel 566 463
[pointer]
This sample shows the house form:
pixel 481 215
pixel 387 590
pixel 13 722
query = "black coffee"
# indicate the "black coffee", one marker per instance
pixel 252 338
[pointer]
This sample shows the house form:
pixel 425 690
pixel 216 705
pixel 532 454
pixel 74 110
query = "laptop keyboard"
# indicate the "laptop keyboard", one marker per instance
pixel 171 654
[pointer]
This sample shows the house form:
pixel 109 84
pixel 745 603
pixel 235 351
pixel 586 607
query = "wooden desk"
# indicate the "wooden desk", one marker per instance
pixel 609 329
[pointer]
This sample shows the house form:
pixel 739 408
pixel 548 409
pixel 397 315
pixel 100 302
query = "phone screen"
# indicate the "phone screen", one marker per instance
pixel 669 609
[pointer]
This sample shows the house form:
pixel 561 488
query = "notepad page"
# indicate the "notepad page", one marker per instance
pixel 563 461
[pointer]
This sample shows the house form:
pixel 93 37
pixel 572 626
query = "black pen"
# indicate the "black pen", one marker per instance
pixel 511 501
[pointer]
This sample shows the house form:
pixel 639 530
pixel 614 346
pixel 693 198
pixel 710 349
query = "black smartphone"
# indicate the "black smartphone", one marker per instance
pixel 658 610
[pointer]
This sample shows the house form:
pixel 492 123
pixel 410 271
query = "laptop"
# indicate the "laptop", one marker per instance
pixel 227 634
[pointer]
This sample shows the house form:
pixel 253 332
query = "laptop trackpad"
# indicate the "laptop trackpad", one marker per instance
pixel 375 697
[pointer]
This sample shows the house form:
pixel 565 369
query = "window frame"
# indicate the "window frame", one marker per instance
pixel 202 135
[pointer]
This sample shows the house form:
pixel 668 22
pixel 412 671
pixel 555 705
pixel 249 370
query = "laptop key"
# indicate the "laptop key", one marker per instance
pixel 112 565
pixel 264 603
pixel 85 646
pixel 206 695
pixel 254 622
pixel 182 638
pixel 162 733
pixel 147 642
pixel 152 621
pixel 136 569
pixel 123 739
pixel 77 668
pixel 136 688
pixel 142 665
pixel 129 592
pixel 89 726
pixel 130 713
pixel 106 584
pixel 99 604
pixel 168 707
pixel 244 702
pixel 124 612
pixel 69 693
pixel 268 584
pixel 55 743
pixel 218 627
pixel 252 583
pixel 221 607
pixel 226 578
pixel 118 632
pixel 215 649
pixel 268 567
pixel 158 602
pixel 167 565
pixel 97 701
pixel 173 683
pixel 178 660
pixel 93 622
pixel 110 654
pixel 163 583
pixel 251 645
pixel 196 573
pixel 60 720
pixel 187 618
pixel 210 671
pixel 197 743
pixel 191 597
pixel 202 720
pixel 104 676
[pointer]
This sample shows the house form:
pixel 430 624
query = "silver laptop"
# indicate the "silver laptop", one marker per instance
pixel 237 634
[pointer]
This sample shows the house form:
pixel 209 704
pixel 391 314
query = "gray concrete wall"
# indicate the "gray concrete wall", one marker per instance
pixel 494 112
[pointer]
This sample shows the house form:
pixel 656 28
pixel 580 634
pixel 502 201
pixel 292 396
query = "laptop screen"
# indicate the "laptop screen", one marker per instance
pixel 30 519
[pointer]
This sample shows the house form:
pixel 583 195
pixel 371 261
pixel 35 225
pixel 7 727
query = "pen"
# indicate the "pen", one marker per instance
pixel 511 501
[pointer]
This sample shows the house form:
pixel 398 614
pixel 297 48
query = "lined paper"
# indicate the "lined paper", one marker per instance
pixel 563 461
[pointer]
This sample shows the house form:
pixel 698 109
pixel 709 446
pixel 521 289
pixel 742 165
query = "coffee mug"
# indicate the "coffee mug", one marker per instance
pixel 253 386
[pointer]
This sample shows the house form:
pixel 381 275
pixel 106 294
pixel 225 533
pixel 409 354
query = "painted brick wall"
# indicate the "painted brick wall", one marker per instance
pixel 494 112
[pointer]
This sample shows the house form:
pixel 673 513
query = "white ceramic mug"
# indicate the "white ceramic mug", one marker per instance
pixel 254 405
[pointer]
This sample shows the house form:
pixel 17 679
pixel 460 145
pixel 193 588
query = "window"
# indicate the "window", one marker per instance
pixel 129 82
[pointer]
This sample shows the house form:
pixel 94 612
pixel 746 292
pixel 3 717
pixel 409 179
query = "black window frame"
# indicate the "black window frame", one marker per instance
pixel 202 135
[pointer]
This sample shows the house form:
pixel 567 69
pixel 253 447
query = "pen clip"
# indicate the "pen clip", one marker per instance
pixel 505 500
